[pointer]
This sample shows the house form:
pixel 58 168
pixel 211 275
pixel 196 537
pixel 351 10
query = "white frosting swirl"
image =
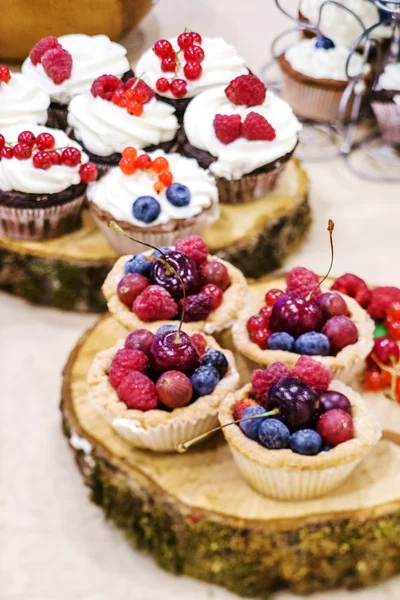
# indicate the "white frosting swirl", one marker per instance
pixel 22 101
pixel 92 56
pixel 105 128
pixel 241 156
pixel 221 64
pixel 116 192
pixel 319 63
pixel 22 176
pixel 390 78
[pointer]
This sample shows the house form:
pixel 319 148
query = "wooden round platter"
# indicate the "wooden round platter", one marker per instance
pixel 195 514
pixel 68 272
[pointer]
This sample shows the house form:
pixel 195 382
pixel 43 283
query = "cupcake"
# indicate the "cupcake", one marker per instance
pixel 315 78
pixel 43 177
pixel 159 390
pixel 21 100
pixel 244 134
pixel 277 325
pixel 66 66
pixel 155 197
pixel 311 432
pixel 183 67
pixel 114 115
pixel 385 102
pixel 146 290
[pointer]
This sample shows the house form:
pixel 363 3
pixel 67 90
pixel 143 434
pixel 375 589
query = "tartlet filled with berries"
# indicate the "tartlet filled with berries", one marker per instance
pixel 158 288
pixel 300 434
pixel 155 198
pixel 244 134
pixel 21 100
pixel 43 180
pixel 158 390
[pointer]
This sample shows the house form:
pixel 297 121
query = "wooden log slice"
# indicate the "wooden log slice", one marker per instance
pixel 195 514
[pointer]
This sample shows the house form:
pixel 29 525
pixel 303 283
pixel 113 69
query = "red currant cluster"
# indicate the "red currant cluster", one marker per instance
pixel 258 325
pixel 44 155
pixel 4 74
pixel 189 43
pixel 382 367
pixel 131 162
pixel 131 95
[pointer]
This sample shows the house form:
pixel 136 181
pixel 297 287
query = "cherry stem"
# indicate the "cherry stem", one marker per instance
pixel 170 269
pixel 331 226
pixel 137 81
pixel 182 448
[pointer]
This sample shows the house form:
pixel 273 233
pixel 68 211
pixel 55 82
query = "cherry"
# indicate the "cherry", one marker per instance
pixel 295 315
pixel 174 389
pixel 386 350
pixel 215 292
pixel 22 151
pixel 341 332
pixel 87 172
pixel 261 337
pixel 6 152
pixel 163 49
pixel 192 69
pixel 184 266
pixel 273 296
pixel 42 160
pixel 71 157
pixel 331 400
pixel 185 40
pixel 332 305
pixel 130 287
pixel 298 403
pixel 216 272
pixel 171 350
pixel 162 84
pixel 178 88
pixel 194 53
pixel 168 65
pixel 335 427
pixel 27 137
pixel 45 141
pixel 141 339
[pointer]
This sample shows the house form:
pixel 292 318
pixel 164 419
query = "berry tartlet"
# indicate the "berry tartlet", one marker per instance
pixel 182 67
pixel 385 102
pixel 155 198
pixel 21 100
pixel 159 390
pixel 114 115
pixel 311 434
pixel 244 134
pixel 43 177
pixel 66 66
pixel 293 316
pixel 146 290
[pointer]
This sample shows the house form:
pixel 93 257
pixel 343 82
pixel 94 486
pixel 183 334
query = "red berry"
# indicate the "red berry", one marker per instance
pixel 215 293
pixel 227 128
pixel 42 160
pixel 393 327
pixel 353 286
pixel 130 287
pixel 134 108
pixel 138 392
pixel 240 406
pixel 45 141
pixel 302 281
pixel 386 350
pixel 143 162
pixel 140 339
pixel 143 92
pixel 57 64
pixel 196 37
pixel 88 172
pixel 254 323
pixel 129 152
pixel 55 157
pixel 127 165
pixel 332 305
pixel 155 304
pixel 260 337
pixel 105 86
pixel 197 307
pixel 312 373
pixel 397 392
pixel 256 127
pixel 199 343
pixel 26 137
pixel 381 299
pixel 126 360
pixel 194 53
pixel 393 311
pixel 166 178
pixel 216 272
pixel 263 379
pixel 192 69
pixel 168 65
pixel 6 152
pixel 162 84
pixel 341 332
pixel 71 156
pixel 119 97
pixel 159 164
pixel 185 40
pixel 265 314
pixel 335 427
pixel 2 141
pixel 246 89
pixel 372 382
pixel 46 43
pixel 178 88
pixel 4 74
pixel 272 296
pixel 194 247
pixel 163 49
pixel 22 151
pixel 174 389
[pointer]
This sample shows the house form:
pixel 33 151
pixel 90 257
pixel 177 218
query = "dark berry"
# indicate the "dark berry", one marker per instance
pixel 146 209
pixel 281 341
pixel 341 332
pixel 216 359
pixel 298 403
pixel 332 305
pixel 178 194
pixel 305 441
pixel 312 343
pixel 137 264
pixel 171 351
pixel 184 269
pixel 273 434
pixel 204 380
pixel 163 249
pixel 165 328
pixel 215 293
pixel 330 400
pixel 295 315
pixel 251 426
pixel 197 307
pixel 325 43
pixel 141 339
pixel 216 272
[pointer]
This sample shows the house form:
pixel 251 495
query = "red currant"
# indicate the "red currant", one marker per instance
pixel 393 327
pixel 127 165
pixel 119 97
pixel 41 160
pixel 88 172
pixel 386 378
pixel 162 84
pixel 45 141
pixel 178 88
pixel 166 178
pixel 386 350
pixel 129 152
pixel 55 157
pixel 192 69
pixel 196 37
pixel 194 53
pixel 398 389
pixel 4 74
pixel 160 164
pixel 6 152
pixel 265 313
pixel 71 156
pixel 163 49
pixel 272 296
pixel 27 137
pixel 143 162
pixel 255 323
pixel 372 382
pixel 185 40
pixel 134 108
pixel 2 141
pixel 394 311
pixel 261 337
pixel 168 64
pixel 158 186
pixel 215 292
pixel 22 151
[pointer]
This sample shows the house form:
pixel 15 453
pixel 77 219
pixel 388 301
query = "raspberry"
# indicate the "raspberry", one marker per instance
pixel 301 280
pixel 246 89
pixel 240 406
pixel 105 86
pixel 256 127
pixel 227 128
pixel 353 286
pixel 138 391
pixel 197 307
pixel 312 373
pixel 263 379
pixel 126 360
pixel 199 343
pixel 57 64
pixel 143 92
pixel 155 304
pixel 381 298
pixel 194 247
pixel 43 45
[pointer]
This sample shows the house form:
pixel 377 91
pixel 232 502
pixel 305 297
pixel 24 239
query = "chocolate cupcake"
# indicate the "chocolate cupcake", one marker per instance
pixel 21 100
pixel 66 66
pixel 385 102
pixel 244 134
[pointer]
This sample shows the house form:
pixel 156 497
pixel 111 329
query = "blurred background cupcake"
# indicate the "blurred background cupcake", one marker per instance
pixel 385 102
pixel 21 100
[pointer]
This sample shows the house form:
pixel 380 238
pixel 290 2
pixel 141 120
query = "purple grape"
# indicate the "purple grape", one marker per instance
pixel 332 305
pixel 166 278
pixel 295 315
pixel 331 400
pixel 298 403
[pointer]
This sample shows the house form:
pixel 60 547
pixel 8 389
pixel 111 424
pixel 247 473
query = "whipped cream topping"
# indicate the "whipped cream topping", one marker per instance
pixel 22 101
pixel 92 56
pixel 221 64
pixel 241 156
pixel 105 128
pixel 116 192
pixel 390 78
pixel 22 176
pixel 319 63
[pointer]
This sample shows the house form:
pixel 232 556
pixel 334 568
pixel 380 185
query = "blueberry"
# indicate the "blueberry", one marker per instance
pixel 273 434
pixel 325 43
pixel 216 359
pixel 178 194
pixel 163 249
pixel 146 209
pixel 325 448
pixel 306 441
pixel 312 343
pixel 281 341
pixel 137 264
pixel 204 380
pixel 250 428
pixel 166 328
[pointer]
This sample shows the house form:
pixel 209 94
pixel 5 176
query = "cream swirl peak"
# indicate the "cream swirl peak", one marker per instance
pixel 220 65
pixel 117 192
pixel 22 101
pixel 390 78
pixel 22 176
pixel 242 156
pixel 91 56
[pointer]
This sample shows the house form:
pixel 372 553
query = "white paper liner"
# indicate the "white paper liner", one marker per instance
pixel 388 116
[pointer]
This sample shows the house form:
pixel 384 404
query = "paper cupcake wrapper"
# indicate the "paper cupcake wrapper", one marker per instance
pixel 388 116
pixel 250 187
pixel 33 224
